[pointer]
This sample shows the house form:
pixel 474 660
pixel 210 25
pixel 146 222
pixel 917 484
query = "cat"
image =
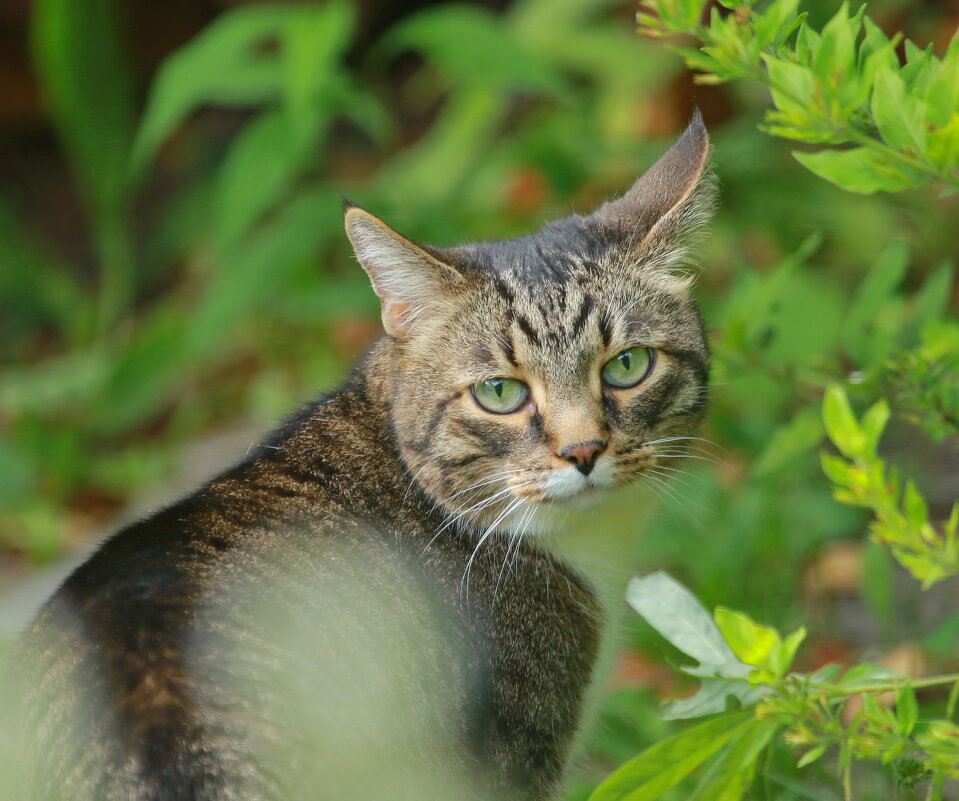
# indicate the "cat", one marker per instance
pixel 379 601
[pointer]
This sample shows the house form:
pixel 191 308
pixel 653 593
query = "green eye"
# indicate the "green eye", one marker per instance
pixel 629 368
pixel 500 395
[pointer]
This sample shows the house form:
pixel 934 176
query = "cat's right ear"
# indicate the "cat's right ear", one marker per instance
pixel 411 282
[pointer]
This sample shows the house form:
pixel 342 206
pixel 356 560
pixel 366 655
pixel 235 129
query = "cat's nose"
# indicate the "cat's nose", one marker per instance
pixel 584 455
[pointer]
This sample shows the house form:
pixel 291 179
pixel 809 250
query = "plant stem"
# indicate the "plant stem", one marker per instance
pixel 888 686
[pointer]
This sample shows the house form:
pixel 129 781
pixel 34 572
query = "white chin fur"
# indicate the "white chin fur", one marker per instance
pixel 569 483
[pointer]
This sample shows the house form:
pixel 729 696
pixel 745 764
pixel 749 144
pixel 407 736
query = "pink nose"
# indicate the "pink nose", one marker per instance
pixel 584 455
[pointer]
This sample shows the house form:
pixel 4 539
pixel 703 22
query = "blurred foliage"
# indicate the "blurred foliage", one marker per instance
pixel 220 290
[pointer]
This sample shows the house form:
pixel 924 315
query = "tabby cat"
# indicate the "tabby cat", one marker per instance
pixel 379 601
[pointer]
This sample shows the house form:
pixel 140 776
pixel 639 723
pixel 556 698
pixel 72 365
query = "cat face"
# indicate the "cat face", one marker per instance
pixel 537 371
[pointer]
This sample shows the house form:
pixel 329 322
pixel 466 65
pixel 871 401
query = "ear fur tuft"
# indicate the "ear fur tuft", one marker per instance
pixel 666 210
pixel 412 284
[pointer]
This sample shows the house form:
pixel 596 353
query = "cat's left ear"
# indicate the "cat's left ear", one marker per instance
pixel 412 282
pixel 660 216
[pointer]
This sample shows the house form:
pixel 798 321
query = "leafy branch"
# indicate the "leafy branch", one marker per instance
pixel 745 664
pixel 902 121
pixel 901 514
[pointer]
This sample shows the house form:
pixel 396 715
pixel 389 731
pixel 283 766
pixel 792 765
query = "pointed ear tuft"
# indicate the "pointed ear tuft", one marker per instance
pixel 665 209
pixel 411 282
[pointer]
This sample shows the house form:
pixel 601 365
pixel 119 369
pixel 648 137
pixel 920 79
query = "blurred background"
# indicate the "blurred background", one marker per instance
pixel 174 279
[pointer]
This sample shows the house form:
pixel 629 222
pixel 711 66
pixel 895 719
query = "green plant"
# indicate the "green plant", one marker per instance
pixel 744 668
pixel 901 120
pixel 901 513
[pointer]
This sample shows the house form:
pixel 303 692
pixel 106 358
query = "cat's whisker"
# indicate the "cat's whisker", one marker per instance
pixel 488 479
pixel 475 508
pixel 515 540
pixel 465 580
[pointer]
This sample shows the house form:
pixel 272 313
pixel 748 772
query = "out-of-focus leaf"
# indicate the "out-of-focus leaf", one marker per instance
pixel 791 441
pixel 942 96
pixel 261 165
pixel 899 115
pixel 252 272
pixel 85 76
pixel 664 765
pixel 470 45
pixel 859 170
pixel 313 46
pixel 226 64
pixel 841 423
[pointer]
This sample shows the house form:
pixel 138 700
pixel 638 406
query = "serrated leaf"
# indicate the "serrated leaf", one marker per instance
pixel 775 23
pixel 675 613
pixel 834 60
pixel 920 68
pixel 942 95
pixel 664 765
pixel 899 116
pixel 860 170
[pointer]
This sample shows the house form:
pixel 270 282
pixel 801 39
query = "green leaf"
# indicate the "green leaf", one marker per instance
pixel 314 44
pixel 899 115
pixel 227 64
pixel 781 656
pixel 750 641
pixel 712 697
pixel 907 710
pixel 86 80
pixel 942 95
pixel 834 60
pixel 791 441
pixel 774 25
pixel 731 773
pixel 931 302
pixel 873 294
pixel 841 424
pixel 260 167
pixel 920 69
pixel 664 765
pixel 811 756
pixel 859 169
pixel 675 613
pixel 942 146
pixel 878 581
pixel 470 44
pixel 874 423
